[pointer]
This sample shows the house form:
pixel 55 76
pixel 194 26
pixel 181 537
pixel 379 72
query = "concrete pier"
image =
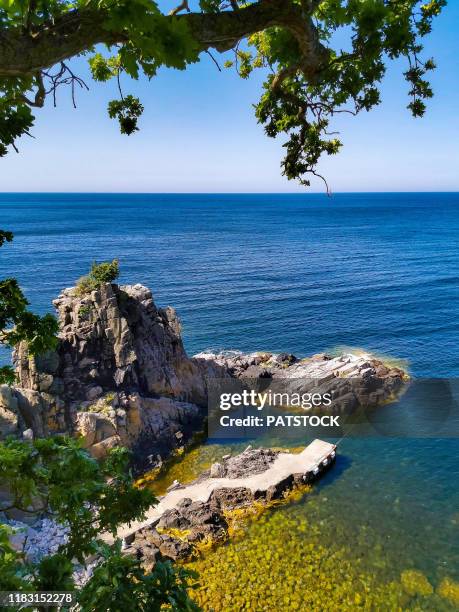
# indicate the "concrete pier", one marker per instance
pixel 308 464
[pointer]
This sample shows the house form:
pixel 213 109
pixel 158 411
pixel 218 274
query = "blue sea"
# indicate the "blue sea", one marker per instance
pixel 295 273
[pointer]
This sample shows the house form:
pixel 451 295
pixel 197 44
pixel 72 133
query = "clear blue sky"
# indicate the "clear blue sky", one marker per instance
pixel 199 134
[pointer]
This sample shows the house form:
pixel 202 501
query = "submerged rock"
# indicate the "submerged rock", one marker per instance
pixel 449 590
pixel 415 583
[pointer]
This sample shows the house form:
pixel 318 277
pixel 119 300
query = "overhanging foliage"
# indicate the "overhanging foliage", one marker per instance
pixel 308 79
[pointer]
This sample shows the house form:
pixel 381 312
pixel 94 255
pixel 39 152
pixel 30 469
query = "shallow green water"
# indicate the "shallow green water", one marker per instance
pixel 345 544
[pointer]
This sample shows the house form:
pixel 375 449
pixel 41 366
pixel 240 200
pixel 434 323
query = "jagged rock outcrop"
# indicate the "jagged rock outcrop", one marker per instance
pixel 120 375
pixel 113 338
pixel 351 379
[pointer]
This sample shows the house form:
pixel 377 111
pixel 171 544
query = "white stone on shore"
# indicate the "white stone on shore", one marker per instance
pixel 42 538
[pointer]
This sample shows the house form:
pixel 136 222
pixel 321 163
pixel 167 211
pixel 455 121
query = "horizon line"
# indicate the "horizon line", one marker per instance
pixel 226 193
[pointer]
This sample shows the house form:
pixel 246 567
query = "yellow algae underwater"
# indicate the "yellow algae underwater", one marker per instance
pixel 313 553
pixel 449 590
pixel 280 565
pixel 187 467
pixel 251 575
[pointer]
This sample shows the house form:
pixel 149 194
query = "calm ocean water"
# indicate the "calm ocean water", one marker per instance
pixel 278 272
pixel 296 273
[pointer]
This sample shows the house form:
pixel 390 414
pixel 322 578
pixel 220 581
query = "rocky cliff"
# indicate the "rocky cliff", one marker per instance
pixel 113 338
pixel 120 375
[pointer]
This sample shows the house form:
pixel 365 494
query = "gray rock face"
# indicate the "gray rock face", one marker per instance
pixel 8 412
pixel 352 380
pixel 113 338
pixel 251 461
pixel 119 375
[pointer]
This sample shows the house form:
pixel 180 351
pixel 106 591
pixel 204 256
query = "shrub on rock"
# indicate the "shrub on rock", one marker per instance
pixel 100 273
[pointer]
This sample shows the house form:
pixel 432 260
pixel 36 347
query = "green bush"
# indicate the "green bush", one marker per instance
pixel 105 272
pixel 65 482
pixel 18 324
pixel 84 312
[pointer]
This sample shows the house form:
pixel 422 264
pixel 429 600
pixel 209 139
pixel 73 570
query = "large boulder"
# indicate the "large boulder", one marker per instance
pixel 151 427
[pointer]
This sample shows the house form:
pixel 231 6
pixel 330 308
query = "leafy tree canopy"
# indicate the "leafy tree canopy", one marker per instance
pixel 17 323
pixel 309 78
pixel 62 481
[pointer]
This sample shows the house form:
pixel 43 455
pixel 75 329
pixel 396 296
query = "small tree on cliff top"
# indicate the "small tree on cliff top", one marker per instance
pixel 309 77
pixel 17 323
pixel 105 272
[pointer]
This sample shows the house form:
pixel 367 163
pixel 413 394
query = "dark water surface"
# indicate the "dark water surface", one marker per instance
pixel 301 274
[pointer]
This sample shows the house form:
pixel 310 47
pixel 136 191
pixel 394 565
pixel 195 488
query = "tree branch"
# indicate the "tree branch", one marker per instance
pixel 40 94
pixel 183 6
pixel 23 53
pixel 283 74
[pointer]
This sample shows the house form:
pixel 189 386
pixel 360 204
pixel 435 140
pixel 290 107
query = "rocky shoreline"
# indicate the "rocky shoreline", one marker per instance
pixel 204 512
pixel 201 514
pixel 120 376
